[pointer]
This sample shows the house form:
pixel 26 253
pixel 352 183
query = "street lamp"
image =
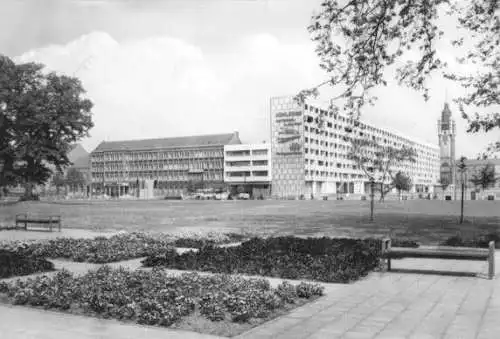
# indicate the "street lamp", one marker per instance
pixel 372 192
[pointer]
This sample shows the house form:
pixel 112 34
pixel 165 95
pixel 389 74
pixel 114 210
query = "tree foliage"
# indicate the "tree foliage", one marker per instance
pixel 402 182
pixel 358 40
pixel 44 114
pixel 378 160
pixel 484 177
pixel 74 177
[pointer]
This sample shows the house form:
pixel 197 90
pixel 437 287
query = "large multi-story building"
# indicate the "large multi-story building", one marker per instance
pixel 173 164
pixel 310 153
pixel 248 166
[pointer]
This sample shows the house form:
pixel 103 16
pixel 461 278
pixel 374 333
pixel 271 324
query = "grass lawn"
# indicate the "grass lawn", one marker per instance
pixel 427 221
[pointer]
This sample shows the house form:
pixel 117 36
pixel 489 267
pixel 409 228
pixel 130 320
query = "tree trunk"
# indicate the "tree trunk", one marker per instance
pixel 28 191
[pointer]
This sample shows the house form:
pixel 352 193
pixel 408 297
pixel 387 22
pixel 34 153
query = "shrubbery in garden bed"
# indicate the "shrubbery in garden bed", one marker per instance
pixel 321 259
pixel 115 248
pixel 97 250
pixel 402 242
pixel 14 264
pixel 156 298
pixel 481 241
pixel 194 242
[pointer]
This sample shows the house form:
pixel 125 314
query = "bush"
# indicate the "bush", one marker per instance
pixel 154 298
pixel 116 248
pixel 400 242
pixel 481 241
pixel 14 264
pixel 320 259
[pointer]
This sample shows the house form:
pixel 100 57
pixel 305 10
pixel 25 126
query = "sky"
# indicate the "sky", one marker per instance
pixel 164 68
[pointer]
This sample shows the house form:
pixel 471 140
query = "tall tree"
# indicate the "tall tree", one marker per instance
pixel 484 177
pixel 7 156
pixel 357 41
pixel 45 113
pixel 402 182
pixel 75 178
pixel 58 181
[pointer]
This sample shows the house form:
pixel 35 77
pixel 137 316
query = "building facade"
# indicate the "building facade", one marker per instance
pixel 447 137
pixel 310 156
pixel 247 168
pixel 172 165
pixel 451 178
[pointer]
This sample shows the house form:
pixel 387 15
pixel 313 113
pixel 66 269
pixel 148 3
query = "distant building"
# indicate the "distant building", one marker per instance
pixel 447 135
pixel 248 166
pixel 174 165
pixel 310 155
pixel 449 172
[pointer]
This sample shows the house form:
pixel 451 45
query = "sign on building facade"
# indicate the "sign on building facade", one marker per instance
pixel 287 147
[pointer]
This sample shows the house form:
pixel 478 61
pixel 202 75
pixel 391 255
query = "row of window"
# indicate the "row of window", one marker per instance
pixel 423 154
pixel 152 155
pixel 168 175
pixel 246 163
pixel 246 153
pixel 247 174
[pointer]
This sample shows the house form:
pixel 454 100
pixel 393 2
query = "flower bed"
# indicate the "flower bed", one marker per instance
pixel 156 298
pixel 193 241
pixel 320 259
pixel 15 264
pixel 97 250
pixel 116 248
pixel 481 241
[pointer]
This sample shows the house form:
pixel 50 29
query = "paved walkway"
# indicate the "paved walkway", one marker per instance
pixel 406 303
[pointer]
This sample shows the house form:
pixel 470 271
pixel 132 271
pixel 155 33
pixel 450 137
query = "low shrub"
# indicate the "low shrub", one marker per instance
pixel 402 242
pixel 481 241
pixel 116 248
pixel 320 259
pixel 15 264
pixel 154 297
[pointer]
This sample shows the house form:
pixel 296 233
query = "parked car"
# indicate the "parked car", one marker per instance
pixel 243 196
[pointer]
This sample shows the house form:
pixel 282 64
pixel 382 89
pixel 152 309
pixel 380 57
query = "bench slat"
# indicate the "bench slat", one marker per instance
pixel 439 253
pixel 39 221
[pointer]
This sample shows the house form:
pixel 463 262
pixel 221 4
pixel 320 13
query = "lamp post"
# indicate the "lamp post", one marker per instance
pixel 462 167
pixel 372 193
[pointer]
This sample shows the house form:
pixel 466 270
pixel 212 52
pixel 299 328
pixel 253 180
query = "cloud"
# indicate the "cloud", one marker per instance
pixel 163 86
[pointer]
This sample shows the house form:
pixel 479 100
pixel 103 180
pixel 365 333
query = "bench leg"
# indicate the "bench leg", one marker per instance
pixel 491 260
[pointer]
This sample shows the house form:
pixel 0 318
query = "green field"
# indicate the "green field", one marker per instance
pixel 427 221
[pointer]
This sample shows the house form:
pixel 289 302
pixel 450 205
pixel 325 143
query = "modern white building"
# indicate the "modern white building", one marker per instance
pixel 310 155
pixel 248 166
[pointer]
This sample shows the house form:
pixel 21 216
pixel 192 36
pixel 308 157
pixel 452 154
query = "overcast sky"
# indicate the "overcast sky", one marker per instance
pixel 160 68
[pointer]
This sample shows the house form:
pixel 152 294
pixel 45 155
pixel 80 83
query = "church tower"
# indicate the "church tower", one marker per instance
pixel 447 133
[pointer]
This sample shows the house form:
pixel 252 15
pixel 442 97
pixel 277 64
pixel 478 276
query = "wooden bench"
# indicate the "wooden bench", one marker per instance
pixel 49 221
pixel 441 252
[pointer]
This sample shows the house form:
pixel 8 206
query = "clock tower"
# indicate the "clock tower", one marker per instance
pixel 447 134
